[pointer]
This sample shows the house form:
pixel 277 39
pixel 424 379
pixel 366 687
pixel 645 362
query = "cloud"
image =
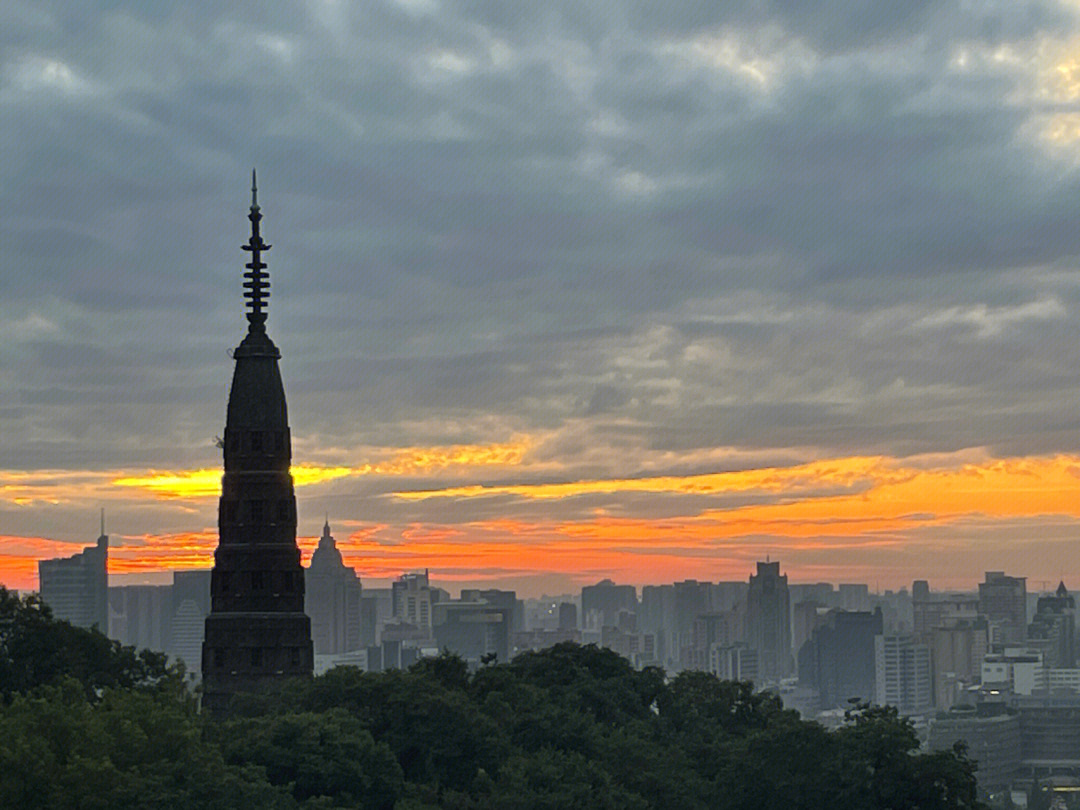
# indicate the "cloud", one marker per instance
pixel 640 237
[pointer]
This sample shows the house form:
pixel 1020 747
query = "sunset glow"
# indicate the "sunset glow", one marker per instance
pixel 874 511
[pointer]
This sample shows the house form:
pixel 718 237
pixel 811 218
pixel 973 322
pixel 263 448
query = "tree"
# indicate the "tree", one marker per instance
pixel 36 649
pixel 329 754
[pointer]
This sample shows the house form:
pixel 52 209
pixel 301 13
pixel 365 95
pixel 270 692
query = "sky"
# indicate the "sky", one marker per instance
pixel 564 290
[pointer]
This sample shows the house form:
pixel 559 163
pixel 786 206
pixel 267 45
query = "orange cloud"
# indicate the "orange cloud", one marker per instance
pixel 206 483
pixel 846 517
pixel 870 488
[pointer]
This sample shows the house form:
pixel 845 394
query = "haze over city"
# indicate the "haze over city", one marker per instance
pixel 563 291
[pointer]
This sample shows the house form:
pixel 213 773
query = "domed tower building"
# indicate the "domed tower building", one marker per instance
pixel 257 631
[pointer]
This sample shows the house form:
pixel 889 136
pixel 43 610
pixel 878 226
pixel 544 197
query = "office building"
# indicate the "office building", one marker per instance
pixel 902 673
pixel 957 652
pixel 1003 601
pixel 1053 629
pixel 768 621
pixel 839 660
pixel 76 588
pixel 332 595
pixel 505 599
pixel 140 616
pixel 412 597
pixel 602 603
pixel 477 630
pixel 733 662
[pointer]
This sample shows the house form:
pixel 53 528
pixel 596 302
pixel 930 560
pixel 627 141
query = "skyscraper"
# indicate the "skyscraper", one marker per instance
pixel 1053 629
pixel 902 671
pixel 76 588
pixel 257 630
pixel 332 599
pixel 768 621
pixel 839 659
pixel 1003 601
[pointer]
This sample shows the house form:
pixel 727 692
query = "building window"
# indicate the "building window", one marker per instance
pixel 279 441
pixel 256 656
pixel 234 440
pixel 225 581
pixel 283 511
pixel 255 508
pixel 256 441
pixel 219 657
pixel 294 656
pixel 257 580
pixel 230 511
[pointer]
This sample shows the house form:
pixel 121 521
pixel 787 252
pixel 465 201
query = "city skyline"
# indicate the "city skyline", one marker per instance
pixel 563 295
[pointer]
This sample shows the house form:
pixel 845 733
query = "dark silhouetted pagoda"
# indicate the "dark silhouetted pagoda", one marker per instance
pixel 257 631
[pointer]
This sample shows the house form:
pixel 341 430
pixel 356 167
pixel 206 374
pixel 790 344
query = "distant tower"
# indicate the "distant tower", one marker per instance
pixel 77 587
pixel 1003 601
pixel 768 621
pixel 332 599
pixel 257 631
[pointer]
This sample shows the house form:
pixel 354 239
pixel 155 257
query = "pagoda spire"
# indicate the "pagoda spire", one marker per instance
pixel 256 280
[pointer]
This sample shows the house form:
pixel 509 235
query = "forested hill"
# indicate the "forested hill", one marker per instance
pixel 85 723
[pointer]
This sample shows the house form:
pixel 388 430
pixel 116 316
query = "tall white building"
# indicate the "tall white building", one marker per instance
pixel 733 662
pixel 903 675
pixel 412 598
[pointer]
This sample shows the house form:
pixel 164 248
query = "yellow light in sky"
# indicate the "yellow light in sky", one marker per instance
pixel 206 483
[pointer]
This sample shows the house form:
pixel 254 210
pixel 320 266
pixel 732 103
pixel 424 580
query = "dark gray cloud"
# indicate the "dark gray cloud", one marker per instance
pixel 755 225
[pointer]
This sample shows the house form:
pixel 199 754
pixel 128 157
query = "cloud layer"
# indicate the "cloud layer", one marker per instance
pixel 656 244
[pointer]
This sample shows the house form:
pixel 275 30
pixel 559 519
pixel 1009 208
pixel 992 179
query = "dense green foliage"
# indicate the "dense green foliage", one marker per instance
pixel 36 650
pixel 569 727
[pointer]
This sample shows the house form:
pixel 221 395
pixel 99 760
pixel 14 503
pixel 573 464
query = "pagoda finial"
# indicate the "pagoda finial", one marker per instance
pixel 256 281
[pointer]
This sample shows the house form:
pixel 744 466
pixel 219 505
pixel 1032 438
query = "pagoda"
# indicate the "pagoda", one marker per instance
pixel 257 631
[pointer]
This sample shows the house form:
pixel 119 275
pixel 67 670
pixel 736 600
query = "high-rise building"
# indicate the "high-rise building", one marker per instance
pixel 567 616
pixel 1003 601
pixel 76 588
pixel 805 617
pixel 505 599
pixel 733 662
pixel 957 651
pixel 141 616
pixel 839 659
pixel 657 616
pixel 601 603
pixel 903 674
pixel 853 596
pixel 190 607
pixel 473 628
pixel 768 621
pixel 332 596
pixel 931 610
pixel 412 597
pixel 376 610
pixel 257 630
pixel 1053 629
